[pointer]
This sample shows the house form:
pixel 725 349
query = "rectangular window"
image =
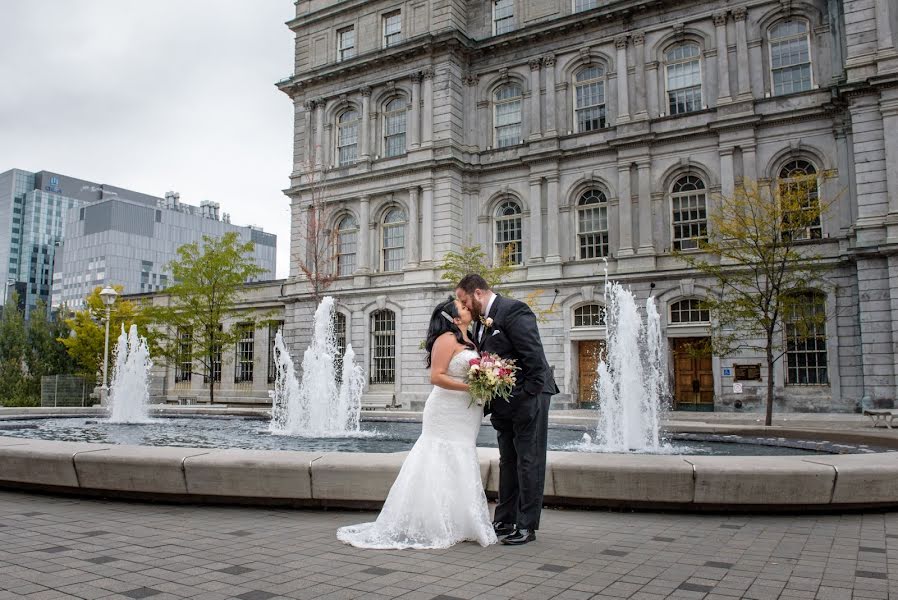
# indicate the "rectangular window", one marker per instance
pixel 345 43
pixel 503 16
pixel 392 29
pixel 184 365
pixel 215 367
pixel 243 361
pixel 581 5
pixel 383 347
pixel 806 356
pixel 394 247
pixel 272 359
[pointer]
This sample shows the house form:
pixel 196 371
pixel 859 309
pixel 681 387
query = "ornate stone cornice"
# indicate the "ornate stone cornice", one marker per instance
pixel 472 79
pixel 427 73
pixel 720 19
pixel 638 38
pixel 365 91
pixel 309 105
pixel 535 64
pixel 416 77
pixel 739 13
pixel 549 60
pixel 620 42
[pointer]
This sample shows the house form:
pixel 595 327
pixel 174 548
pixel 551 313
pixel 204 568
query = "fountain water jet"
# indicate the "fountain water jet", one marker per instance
pixel 317 405
pixel 632 380
pixel 130 391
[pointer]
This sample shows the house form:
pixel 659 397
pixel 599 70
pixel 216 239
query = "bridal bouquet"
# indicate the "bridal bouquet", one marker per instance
pixel 490 376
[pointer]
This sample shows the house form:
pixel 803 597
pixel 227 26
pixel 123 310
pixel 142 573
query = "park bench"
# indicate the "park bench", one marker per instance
pixel 881 415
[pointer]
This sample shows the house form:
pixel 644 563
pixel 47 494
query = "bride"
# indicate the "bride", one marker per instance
pixel 437 500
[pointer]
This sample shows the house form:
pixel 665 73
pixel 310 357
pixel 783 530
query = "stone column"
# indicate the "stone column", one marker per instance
pixel 427 222
pixel 884 31
pixel 623 91
pixel 889 110
pixel 651 88
pixel 414 130
pixel 535 117
pixel 723 59
pixel 309 122
pixel 413 244
pixel 471 116
pixel 549 65
pixel 364 145
pixel 536 220
pixel 552 254
pixel 749 162
pixel 363 267
pixel 739 14
pixel 319 132
pixel 427 135
pixel 727 176
pixel 646 244
pixel 639 58
pixel 624 210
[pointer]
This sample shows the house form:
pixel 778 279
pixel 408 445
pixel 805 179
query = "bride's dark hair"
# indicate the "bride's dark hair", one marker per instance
pixel 441 321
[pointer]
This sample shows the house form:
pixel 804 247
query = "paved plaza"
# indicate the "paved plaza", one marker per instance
pixel 57 547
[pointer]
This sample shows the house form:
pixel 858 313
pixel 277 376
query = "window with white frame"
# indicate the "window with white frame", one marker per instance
pixel 393 239
pixel 806 355
pixel 689 215
pixel 592 225
pixel 392 28
pixel 589 98
pixel 347 137
pixel 507 116
pixel 184 364
pixel 273 328
pixel 690 310
pixel 383 347
pixel 394 127
pixel 345 43
pixel 347 244
pixel 508 245
pixel 790 57
pixel 589 315
pixel 683 70
pixel 798 187
pixel 581 5
pixel 245 353
pixel 503 16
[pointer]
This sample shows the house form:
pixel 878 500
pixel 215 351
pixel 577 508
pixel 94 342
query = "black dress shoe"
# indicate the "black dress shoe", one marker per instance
pixel 519 537
pixel 502 529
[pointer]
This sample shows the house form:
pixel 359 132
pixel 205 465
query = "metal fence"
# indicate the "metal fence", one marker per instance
pixel 66 390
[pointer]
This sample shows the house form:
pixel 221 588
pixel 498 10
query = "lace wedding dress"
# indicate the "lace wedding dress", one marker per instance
pixel 437 500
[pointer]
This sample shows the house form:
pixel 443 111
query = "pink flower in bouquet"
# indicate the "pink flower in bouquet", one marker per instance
pixel 490 376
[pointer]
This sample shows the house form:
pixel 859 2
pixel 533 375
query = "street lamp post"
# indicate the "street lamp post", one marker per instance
pixel 108 295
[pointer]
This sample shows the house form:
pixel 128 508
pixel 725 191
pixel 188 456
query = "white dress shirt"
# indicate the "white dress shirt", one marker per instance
pixel 486 313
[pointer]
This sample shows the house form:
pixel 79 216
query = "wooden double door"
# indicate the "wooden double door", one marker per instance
pixel 693 375
pixel 588 354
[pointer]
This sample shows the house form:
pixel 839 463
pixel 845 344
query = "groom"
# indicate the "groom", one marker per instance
pixel 507 327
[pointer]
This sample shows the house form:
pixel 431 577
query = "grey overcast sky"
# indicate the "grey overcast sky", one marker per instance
pixel 154 96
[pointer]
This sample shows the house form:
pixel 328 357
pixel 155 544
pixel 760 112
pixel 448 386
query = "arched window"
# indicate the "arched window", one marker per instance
pixel 689 311
pixel 589 315
pixel 790 57
pixel 393 239
pixel 689 217
pixel 383 347
pixel 589 98
pixel 347 245
pixel 394 127
pixel 509 233
pixel 507 115
pixel 806 355
pixel 592 225
pixel 347 137
pixel 798 191
pixel 684 78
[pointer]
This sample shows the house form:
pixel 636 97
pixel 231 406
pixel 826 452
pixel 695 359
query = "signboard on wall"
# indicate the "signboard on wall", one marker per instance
pixel 747 372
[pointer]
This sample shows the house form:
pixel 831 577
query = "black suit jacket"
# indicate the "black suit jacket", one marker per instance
pixel 514 334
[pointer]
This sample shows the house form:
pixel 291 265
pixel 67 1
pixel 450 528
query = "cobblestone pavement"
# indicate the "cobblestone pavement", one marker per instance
pixel 54 547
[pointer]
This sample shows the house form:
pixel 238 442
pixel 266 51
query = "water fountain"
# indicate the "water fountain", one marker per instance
pixel 318 405
pixel 632 377
pixel 130 392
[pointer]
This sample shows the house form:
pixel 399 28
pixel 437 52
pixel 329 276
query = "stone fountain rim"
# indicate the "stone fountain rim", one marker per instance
pixel 354 480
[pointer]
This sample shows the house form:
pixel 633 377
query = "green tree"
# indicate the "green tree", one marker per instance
pixel 208 278
pixel 472 259
pixel 13 349
pixel 85 334
pixel 45 354
pixel 763 270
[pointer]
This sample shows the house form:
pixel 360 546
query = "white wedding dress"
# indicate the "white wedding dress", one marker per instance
pixel 437 500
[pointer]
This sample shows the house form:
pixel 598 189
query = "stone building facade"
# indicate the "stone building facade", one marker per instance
pixel 580 132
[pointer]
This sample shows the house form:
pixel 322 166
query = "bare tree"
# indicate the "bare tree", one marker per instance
pixel 318 242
